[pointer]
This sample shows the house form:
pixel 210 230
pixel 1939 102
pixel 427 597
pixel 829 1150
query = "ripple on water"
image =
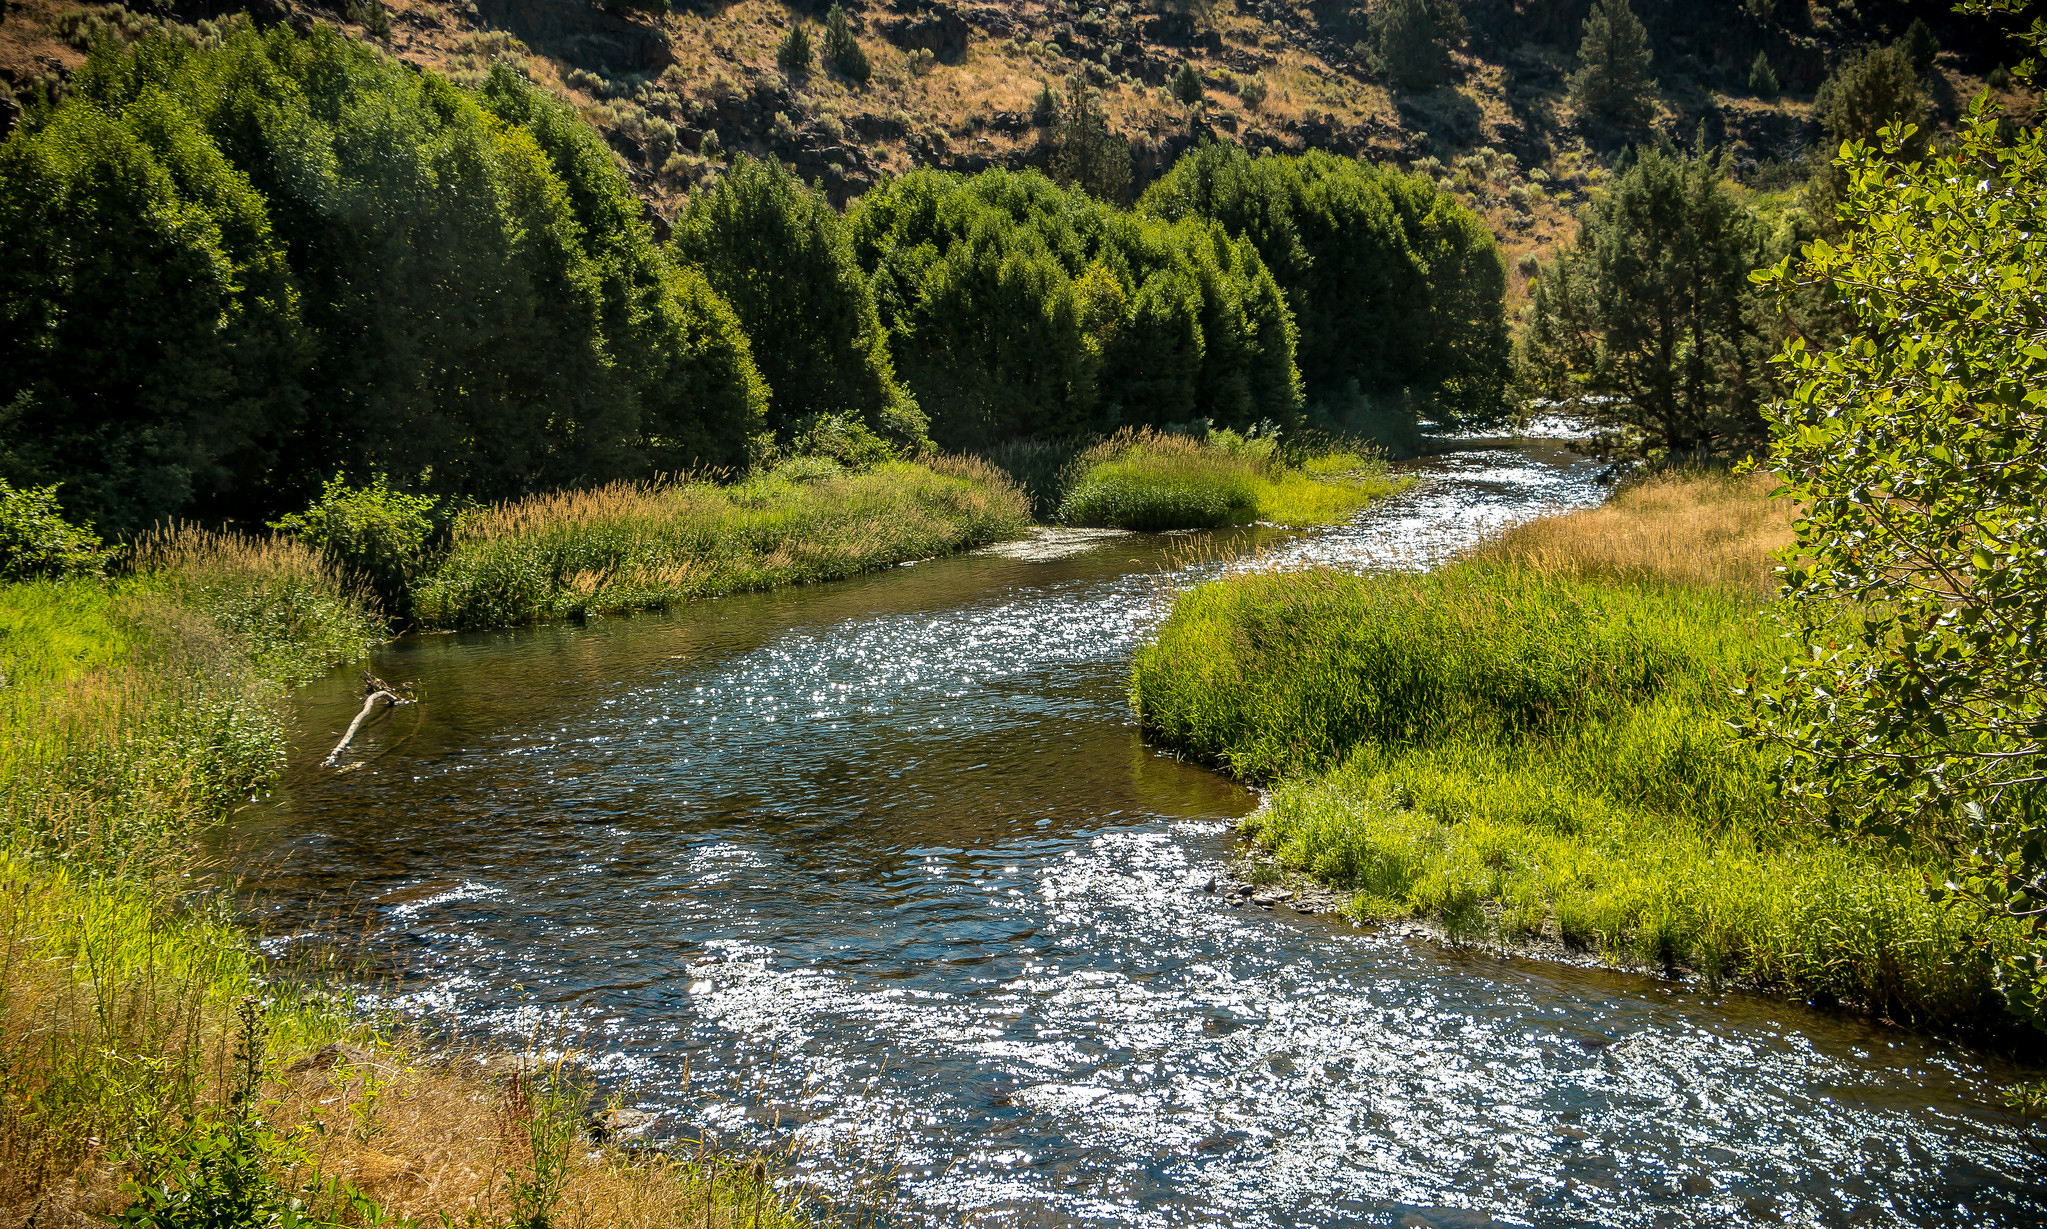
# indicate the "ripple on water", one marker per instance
pixel 891 851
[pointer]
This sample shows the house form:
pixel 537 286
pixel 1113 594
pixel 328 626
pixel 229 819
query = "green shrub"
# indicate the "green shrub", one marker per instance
pixel 374 536
pixel 841 50
pixel 37 543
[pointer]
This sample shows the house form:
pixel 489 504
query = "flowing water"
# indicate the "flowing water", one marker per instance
pixel 893 850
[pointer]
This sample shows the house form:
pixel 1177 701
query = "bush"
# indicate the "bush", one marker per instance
pixel 1392 283
pixel 1186 85
pixel 37 543
pixel 374 536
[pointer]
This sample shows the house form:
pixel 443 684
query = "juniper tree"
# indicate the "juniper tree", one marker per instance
pixel 1613 77
pixel 1084 152
pixel 1649 325
pixel 1409 41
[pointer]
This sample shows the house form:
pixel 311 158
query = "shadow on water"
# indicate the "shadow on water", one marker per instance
pixel 894 847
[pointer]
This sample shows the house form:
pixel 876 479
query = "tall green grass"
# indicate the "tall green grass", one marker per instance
pixel 644 546
pixel 1523 754
pixel 1151 481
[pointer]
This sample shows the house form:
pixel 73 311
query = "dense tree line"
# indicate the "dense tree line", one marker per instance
pixel 233 270
pixel 1017 307
pixel 1397 289
pixel 239 266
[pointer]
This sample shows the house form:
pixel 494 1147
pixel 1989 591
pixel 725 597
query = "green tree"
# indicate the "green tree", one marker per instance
pixel 1186 85
pixel 1393 286
pixel 841 50
pixel 794 53
pixel 1917 450
pixel 1613 80
pixel 1410 41
pixel 1650 326
pixel 780 255
pixel 1920 46
pixel 1869 91
pixel 1085 153
pixel 150 341
pixel 1762 79
pixel 212 232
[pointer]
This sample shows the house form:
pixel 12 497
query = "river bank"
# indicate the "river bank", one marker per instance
pixel 159 1067
pixel 1533 745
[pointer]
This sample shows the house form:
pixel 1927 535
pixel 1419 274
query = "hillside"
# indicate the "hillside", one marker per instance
pixel 677 94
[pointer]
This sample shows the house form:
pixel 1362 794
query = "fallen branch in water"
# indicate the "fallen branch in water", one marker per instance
pixel 378 689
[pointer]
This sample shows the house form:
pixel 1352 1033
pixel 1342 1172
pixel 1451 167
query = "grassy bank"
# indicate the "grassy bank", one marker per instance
pixel 1534 743
pixel 1148 480
pixel 156 1070
pixel 642 546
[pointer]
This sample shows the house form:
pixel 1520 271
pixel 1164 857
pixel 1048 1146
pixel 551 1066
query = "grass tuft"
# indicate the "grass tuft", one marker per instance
pixel 1151 481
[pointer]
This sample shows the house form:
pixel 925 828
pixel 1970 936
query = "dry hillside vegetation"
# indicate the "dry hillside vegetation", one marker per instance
pixel 954 84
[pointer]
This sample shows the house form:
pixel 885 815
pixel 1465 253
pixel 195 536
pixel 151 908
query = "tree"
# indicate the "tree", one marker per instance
pixel 1613 76
pixel 1410 41
pixel 841 50
pixel 1393 286
pixel 1917 451
pixel 1920 46
pixel 793 53
pixel 1084 152
pixel 1762 79
pixel 1650 326
pixel 1187 85
pixel 780 255
pixel 1868 92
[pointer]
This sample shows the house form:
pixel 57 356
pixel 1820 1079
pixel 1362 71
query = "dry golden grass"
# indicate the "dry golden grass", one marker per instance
pixel 1693 529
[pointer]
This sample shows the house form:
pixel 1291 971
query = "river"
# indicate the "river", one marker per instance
pixel 882 869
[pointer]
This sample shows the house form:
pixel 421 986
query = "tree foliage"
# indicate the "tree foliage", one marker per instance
pixel 1394 286
pixel 1410 41
pixel 1762 79
pixel 1186 85
pixel 1918 449
pixel 1612 80
pixel 793 53
pixel 780 255
pixel 1016 307
pixel 1650 326
pixel 843 51
pixel 246 267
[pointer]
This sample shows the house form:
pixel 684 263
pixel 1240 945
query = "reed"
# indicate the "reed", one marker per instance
pixel 1706 529
pixel 1536 744
pixel 1150 481
pixel 638 546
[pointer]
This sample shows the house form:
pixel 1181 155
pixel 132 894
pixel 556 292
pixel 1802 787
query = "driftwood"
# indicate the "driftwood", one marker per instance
pixel 377 689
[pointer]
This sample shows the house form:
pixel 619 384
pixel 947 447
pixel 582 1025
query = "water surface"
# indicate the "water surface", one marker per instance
pixel 893 849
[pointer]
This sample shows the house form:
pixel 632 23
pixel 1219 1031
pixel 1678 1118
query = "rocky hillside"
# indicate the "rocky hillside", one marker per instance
pixel 953 82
